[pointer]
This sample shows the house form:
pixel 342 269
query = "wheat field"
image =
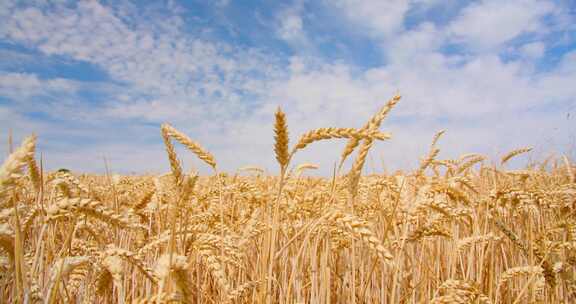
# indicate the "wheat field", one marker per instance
pixel 464 230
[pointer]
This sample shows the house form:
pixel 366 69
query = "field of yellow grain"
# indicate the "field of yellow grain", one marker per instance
pixel 462 230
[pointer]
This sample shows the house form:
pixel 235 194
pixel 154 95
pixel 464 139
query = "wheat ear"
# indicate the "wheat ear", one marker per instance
pixel 190 144
pixel 175 165
pixel 356 170
pixel 373 124
pixel 177 269
pixel 14 163
pixel 329 133
pixel 281 139
pixel 359 228
pixel 7 240
pixel 512 154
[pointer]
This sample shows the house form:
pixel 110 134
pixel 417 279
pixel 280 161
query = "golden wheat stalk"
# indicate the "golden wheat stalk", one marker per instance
pixel 514 272
pixel 34 173
pixel 7 240
pixel 569 169
pixel 373 124
pixel 61 268
pixel 460 292
pixel 12 166
pixel 252 169
pixel 281 139
pixel 177 268
pixel 193 146
pixel 508 156
pixel 432 154
pixel 131 258
pixel 113 265
pixel 467 242
pixel 175 165
pixel 329 133
pixel 356 170
pixel 469 163
pixel 306 166
pixel 359 228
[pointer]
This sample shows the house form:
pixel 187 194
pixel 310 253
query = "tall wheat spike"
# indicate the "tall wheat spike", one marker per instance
pixel 14 164
pixel 508 156
pixel 193 146
pixel 281 137
pixel 373 124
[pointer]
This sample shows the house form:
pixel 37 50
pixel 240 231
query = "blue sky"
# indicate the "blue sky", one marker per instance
pixel 96 79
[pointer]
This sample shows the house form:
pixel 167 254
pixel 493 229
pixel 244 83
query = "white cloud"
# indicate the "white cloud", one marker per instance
pixel 480 26
pixel 533 50
pixel 156 61
pixel 290 26
pixel 378 17
pixel 426 38
pixel 221 3
pixel 21 86
pixel 490 23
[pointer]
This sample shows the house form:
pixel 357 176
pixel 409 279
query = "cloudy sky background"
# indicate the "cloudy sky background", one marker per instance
pixel 97 79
